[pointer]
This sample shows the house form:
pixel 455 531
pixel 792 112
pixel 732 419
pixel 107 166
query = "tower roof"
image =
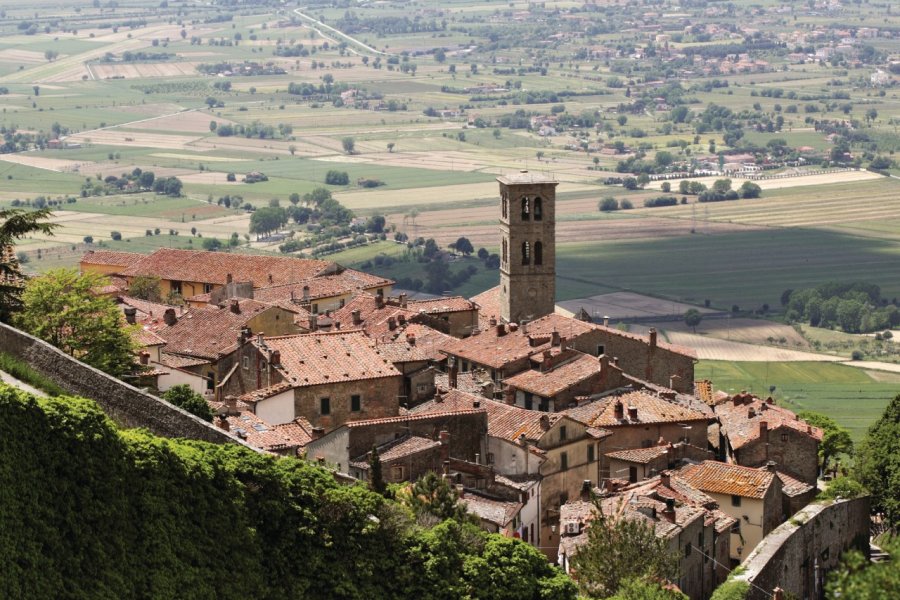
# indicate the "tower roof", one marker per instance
pixel 527 177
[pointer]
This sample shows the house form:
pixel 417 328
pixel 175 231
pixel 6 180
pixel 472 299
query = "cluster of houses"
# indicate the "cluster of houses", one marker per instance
pixel 532 415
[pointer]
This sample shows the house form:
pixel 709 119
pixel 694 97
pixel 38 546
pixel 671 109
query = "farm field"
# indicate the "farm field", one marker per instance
pixel 747 331
pixel 619 305
pixel 853 397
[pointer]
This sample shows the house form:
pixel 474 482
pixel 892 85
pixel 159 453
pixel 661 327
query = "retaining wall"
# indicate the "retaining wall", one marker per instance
pixel 798 555
pixel 124 403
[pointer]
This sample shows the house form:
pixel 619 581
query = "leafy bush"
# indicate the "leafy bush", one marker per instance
pixel 184 397
pixel 334 177
pixel 23 372
pixel 844 487
pixel 660 201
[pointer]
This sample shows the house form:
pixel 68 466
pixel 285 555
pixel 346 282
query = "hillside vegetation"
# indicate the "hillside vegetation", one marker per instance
pixel 90 511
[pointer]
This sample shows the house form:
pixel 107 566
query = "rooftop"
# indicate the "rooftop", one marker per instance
pixel 650 409
pixel 570 371
pixel 640 455
pixel 722 478
pixel 527 177
pixel 111 258
pixel 742 415
pixel 397 449
pixel 498 512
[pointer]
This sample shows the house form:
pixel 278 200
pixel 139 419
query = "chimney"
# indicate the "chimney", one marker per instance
pixel 604 362
pixel 337 325
pixel 493 322
pixel 313 322
pixel 438 397
pixel 563 344
pixel 522 439
pixel 751 413
pixel 514 327
pixel 317 432
pixel 169 317
pixel 476 403
pixel 305 293
pixel 130 315
pixel 228 278
pixel 545 422
pixel 770 400
pixel 452 375
pixel 652 337
pixel 243 336
pixel 223 424
pixel 763 428
pixel 402 300
pixel 606 320
pixel 275 358
pixel 632 413
pixel 673 382
pixel 444 437
pixel 524 326
pixel 260 338
pixel 669 512
pixel 736 400
pixel 411 339
pixel 620 410
pixel 509 395
pixel 501 329
pixel 379 300
pixel 460 490
pixel 555 339
pixel 477 458
pixel 235 306
pixel 230 407
pixel 445 469
pixel 145 358
pixel 586 490
pixel 665 479
pixel 401 319
pixel 770 466
pixel 392 323
pixel 357 317
pixel 615 361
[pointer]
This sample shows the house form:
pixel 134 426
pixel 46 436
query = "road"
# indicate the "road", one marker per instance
pixel 319 25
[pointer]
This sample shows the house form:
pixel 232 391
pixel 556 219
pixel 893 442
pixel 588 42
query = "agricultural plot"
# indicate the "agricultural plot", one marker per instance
pixel 624 305
pixel 746 331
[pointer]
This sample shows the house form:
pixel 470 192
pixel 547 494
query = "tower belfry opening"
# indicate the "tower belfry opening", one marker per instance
pixel 528 242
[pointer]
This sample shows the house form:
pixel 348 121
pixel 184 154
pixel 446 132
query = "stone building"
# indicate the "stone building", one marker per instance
pixel 328 378
pixel 528 246
pixel 755 432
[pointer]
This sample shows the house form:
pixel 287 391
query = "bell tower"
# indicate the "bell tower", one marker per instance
pixel 527 246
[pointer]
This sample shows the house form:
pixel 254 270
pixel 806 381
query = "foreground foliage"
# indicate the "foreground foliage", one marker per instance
pixel 878 463
pixel 14 225
pixel 858 579
pixel 94 512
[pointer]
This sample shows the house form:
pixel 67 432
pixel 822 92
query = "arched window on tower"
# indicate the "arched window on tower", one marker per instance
pixel 526 208
pixel 538 209
pixel 526 253
pixel 505 252
pixel 538 253
pixel 504 204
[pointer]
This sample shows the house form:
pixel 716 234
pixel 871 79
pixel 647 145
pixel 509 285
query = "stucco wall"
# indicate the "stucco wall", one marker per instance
pixel 125 404
pixel 798 555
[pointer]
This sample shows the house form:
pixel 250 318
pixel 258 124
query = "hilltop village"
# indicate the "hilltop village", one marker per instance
pixel 531 414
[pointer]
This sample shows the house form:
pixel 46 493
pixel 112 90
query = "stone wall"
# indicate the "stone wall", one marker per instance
pixel 125 404
pixel 798 555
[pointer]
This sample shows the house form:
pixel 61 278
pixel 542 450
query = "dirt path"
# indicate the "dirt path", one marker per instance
pixel 10 380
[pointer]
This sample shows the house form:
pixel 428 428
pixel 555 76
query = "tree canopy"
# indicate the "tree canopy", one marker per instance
pixel 878 462
pixel 835 440
pixel 62 307
pixel 184 397
pixel 14 225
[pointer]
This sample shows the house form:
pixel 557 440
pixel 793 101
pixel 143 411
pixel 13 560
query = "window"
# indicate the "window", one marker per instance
pixel 355 403
pixel 490 458
pixel 591 453
pixel 398 473
pixel 601 349
pixel 687 549
pixel 564 461
pixel 325 406
pixel 735 500
pixel 504 205
pixel 245 362
pixel 526 209
pixel 529 400
pixel 175 286
pixel 784 437
pixel 562 433
pixel 315 309
pixel 632 474
pixel 211 380
pixel 538 212
pixel 526 253
pixel 538 253
pixel 207 288
pixel 505 252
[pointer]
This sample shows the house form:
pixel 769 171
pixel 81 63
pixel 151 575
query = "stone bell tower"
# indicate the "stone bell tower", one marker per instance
pixel 527 246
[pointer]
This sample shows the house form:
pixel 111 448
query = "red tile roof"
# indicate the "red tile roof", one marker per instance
pixel 792 487
pixel 150 310
pixel 272 438
pixel 722 478
pixel 650 409
pixel 266 392
pixel 445 305
pixel 639 455
pixel 741 428
pixel 111 258
pixel 498 512
pixel 208 332
pixel 561 377
pixel 431 340
pixel 397 449
pixel 488 302
pixel 496 351
pixel 415 416
pixel 214 267
pixel 329 357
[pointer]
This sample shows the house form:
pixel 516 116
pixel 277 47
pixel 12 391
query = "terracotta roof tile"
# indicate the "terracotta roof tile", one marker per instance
pixel 111 258
pixel 413 416
pixel 396 449
pixel 722 478
pixel 208 332
pixel 639 455
pixel 741 428
pixel 180 362
pixel 330 357
pixel 650 409
pixel 792 487
pixel 150 310
pixel 272 438
pixel 266 392
pixel 214 267
pixel 444 305
pixel 488 303
pixel 558 379
pixel 402 352
pixel 498 512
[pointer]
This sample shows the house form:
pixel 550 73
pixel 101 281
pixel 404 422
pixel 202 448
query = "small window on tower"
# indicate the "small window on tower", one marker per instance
pixel 538 253
pixel 526 253
pixel 504 204
pixel 538 212
pixel 526 208
pixel 505 252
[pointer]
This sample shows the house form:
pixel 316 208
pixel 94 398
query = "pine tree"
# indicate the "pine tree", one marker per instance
pixel 376 478
pixel 15 224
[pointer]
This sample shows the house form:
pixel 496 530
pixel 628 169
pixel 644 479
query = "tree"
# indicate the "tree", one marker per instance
pixel 877 467
pixel 349 145
pixel 432 499
pixel 390 146
pixel 16 224
pixel 483 253
pixel 618 550
pixel 334 177
pixel 722 186
pixel 835 439
pixel 62 308
pixel 376 478
pixel 145 287
pixel 749 189
pixel 211 244
pixel 146 179
pixel 666 187
pixel 36 89
pixel 644 589
pixel 268 219
pixel 439 55
pixel 184 397
pixel 860 579
pixel 375 224
pixel 465 246
pixel 608 204
pixel 630 183
pixel 692 318
pixel 292 149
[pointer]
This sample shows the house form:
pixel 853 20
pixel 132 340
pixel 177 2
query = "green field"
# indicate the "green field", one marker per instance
pixel 849 395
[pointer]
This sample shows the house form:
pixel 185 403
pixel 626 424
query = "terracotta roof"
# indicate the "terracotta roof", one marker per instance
pixel 402 352
pixel 559 378
pixel 495 351
pixel 374 320
pixel 145 338
pixel 272 438
pixel 111 258
pixel 468 381
pixel 429 339
pixel 792 487
pixel 266 392
pixel 488 303
pixel 326 286
pixel 741 428
pixel 396 449
pixel 639 455
pixel 498 512
pixel 522 482
pixel 114 286
pixel 150 310
pixel 445 305
pixel 180 362
pixel 704 391
pixel 722 478
pixel 650 409
pixel 208 332
pixel 412 416
pixel 329 357
pixel 214 267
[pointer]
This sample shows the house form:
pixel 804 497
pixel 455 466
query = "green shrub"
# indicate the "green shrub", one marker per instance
pixel 23 372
